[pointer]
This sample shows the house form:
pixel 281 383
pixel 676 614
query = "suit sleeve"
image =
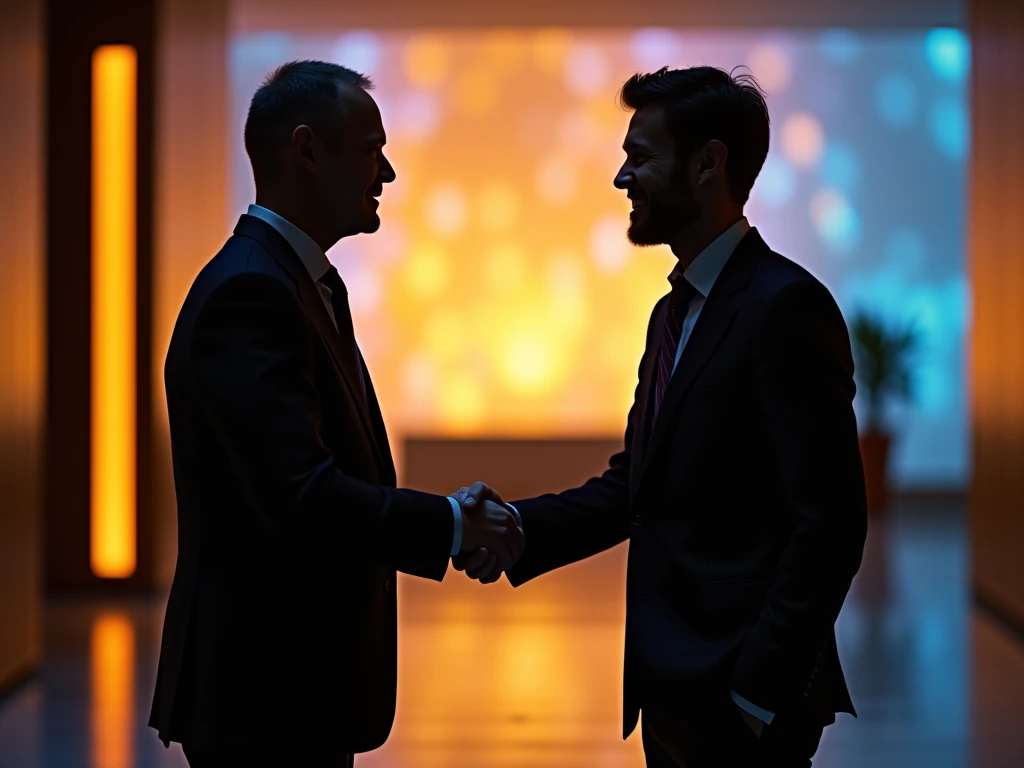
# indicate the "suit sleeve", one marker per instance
pixel 563 528
pixel 251 365
pixel 804 389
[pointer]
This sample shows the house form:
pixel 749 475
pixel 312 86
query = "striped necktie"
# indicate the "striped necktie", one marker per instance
pixel 678 305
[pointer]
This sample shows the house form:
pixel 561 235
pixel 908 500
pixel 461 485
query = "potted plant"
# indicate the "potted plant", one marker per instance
pixel 884 364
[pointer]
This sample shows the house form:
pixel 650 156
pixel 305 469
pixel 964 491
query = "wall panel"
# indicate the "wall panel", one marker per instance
pixel 22 333
pixel 997 265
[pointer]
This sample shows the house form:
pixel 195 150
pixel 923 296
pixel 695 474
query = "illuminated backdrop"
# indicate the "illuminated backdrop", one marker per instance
pixel 500 295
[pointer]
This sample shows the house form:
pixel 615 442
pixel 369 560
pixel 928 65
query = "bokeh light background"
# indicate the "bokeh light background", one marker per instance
pixel 500 296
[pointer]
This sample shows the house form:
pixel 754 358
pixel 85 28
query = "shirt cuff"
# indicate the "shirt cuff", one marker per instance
pixel 457 528
pixel 761 714
pixel 516 513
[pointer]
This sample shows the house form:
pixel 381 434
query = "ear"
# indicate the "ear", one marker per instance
pixel 303 149
pixel 711 160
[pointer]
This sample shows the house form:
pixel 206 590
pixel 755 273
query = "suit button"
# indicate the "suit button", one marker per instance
pixel 637 519
pixel 387 585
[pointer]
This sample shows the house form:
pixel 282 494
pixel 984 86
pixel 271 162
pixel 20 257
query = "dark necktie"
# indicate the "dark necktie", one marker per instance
pixel 343 319
pixel 678 305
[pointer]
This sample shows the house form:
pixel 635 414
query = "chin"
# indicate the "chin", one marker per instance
pixel 371 224
pixel 642 235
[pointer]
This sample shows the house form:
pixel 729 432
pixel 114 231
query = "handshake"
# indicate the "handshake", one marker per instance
pixel 492 534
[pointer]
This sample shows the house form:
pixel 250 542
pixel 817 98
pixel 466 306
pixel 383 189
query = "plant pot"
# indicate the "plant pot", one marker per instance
pixel 874 451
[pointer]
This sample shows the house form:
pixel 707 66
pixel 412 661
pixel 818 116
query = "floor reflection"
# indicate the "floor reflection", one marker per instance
pixel 496 678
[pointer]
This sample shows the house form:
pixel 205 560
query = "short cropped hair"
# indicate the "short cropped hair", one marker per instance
pixel 296 93
pixel 705 103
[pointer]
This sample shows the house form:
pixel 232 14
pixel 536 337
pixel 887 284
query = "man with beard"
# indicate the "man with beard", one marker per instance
pixel 740 484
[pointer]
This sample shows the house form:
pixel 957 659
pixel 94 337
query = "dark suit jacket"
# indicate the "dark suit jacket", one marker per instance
pixel 744 504
pixel 281 622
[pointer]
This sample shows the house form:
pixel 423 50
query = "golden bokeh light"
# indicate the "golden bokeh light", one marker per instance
pixel 476 91
pixel 499 206
pixel 803 139
pixel 504 50
pixel 461 401
pixel 426 61
pixel 556 179
pixel 446 209
pixel 529 362
pixel 549 47
pixel 504 267
pixel 772 67
pixel 426 272
pixel 445 336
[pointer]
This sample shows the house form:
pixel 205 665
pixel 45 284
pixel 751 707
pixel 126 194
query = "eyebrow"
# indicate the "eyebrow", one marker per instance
pixel 634 145
pixel 377 138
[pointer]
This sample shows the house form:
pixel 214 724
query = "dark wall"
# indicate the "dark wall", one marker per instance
pixel 21 332
pixel 74 29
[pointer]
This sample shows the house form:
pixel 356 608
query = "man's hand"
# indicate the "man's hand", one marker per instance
pixel 477 492
pixel 480 565
pixel 483 563
pixel 486 524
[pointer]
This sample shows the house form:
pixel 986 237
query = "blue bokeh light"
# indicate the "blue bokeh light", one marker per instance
pixel 880 293
pixel 896 99
pixel 950 128
pixel 260 53
pixel 776 183
pixel 841 227
pixel 840 45
pixel 358 50
pixel 926 311
pixel 837 222
pixel 958 303
pixel 839 167
pixel 656 47
pixel 949 53
pixel 932 389
pixel 905 249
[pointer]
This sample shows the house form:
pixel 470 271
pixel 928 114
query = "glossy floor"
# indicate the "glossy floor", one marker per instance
pixel 492 677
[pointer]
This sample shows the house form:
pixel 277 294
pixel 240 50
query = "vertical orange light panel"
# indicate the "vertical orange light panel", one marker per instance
pixel 114 72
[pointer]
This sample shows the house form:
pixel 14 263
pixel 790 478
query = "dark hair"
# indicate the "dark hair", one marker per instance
pixel 295 93
pixel 705 103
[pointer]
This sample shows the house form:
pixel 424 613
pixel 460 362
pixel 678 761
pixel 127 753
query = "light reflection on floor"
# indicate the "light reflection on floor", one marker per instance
pixel 496 678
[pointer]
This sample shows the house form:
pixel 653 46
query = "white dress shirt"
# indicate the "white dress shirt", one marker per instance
pixel 702 274
pixel 317 264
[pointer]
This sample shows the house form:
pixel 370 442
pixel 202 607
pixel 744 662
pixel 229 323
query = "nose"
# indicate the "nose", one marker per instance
pixel 387 171
pixel 624 179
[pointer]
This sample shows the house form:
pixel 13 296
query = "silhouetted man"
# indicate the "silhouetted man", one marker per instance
pixel 280 637
pixel 740 484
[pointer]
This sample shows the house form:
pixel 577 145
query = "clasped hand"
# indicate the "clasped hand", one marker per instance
pixel 492 536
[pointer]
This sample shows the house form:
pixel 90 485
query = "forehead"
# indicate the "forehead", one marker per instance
pixel 362 116
pixel 648 127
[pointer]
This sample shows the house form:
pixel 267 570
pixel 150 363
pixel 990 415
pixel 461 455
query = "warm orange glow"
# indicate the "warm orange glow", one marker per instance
pixel 113 311
pixel 112 686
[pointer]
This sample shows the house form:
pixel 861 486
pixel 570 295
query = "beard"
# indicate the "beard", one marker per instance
pixel 658 221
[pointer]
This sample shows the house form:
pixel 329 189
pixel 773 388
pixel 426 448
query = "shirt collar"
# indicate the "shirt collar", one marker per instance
pixel 310 254
pixel 705 269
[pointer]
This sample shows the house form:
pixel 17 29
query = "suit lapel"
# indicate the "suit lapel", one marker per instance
pixel 645 396
pixel 312 303
pixel 712 327
pixel 380 431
